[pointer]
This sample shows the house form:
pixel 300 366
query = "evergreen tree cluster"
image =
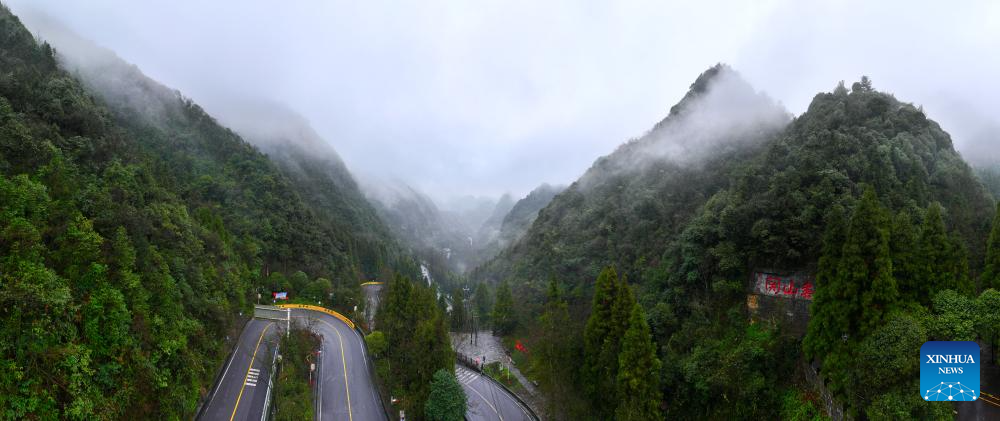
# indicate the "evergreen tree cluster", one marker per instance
pixel 447 401
pixel 876 280
pixel 129 243
pixel 620 365
pixel 502 316
pixel 417 343
pixel 862 190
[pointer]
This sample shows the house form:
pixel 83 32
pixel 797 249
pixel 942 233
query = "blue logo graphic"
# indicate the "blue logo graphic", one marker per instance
pixel 949 371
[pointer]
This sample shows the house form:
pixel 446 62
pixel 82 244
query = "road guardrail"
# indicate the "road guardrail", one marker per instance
pixel 321 310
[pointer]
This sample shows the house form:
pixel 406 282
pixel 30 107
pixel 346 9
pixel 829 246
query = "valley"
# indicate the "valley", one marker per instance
pixel 428 233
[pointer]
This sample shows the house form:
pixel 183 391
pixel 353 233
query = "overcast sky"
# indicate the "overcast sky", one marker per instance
pixel 486 97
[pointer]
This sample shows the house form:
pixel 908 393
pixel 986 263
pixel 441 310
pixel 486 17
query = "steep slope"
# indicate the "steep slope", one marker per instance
pixel 491 227
pixel 129 240
pixel 711 194
pixel 623 207
pixel 443 245
pixel 504 229
pixel 314 170
pixel 990 176
pixel 525 211
pixel 319 176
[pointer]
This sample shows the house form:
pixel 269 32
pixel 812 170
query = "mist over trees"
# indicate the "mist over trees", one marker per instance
pixel 862 190
pixel 135 232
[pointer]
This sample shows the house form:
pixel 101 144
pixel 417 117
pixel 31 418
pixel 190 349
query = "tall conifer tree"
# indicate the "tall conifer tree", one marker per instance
pixel 599 335
pixel 638 372
pixel 991 272
pixel 826 322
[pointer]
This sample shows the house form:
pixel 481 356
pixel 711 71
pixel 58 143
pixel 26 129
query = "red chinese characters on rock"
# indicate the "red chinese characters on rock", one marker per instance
pixel 787 286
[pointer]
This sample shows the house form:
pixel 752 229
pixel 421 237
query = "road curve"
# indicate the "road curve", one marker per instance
pixel 345 389
pixel 243 388
pixel 487 400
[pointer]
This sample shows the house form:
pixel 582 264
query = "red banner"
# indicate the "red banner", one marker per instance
pixel 786 286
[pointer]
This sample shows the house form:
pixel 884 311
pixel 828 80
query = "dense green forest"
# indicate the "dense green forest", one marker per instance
pixel 862 190
pixel 132 239
pixel 411 343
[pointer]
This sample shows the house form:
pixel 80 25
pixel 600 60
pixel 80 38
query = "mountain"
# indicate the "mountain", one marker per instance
pixel 315 171
pixel 136 229
pixel 511 220
pixel 469 212
pixel 525 211
pixel 728 184
pixel 442 242
pixel 490 228
pixel 990 177
pixel 623 207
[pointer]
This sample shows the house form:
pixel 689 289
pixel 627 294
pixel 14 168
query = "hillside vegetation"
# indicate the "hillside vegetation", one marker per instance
pixel 728 184
pixel 132 235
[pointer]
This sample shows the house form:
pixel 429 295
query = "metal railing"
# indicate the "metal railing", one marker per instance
pixel 342 317
pixel 468 362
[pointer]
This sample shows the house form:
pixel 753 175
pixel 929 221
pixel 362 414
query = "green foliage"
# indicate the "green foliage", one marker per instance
pixel 293 393
pixel 602 343
pixel 483 302
pixel 905 405
pixel 458 310
pixel 503 310
pixel 130 240
pixel 884 360
pixel 638 372
pixel 954 317
pixel 941 262
pixel 988 321
pixel 416 330
pixel 686 235
pixel 377 344
pixel 795 407
pixel 741 365
pixel 619 360
pixel 991 270
pixel 447 399
pixel 856 290
pixel 557 348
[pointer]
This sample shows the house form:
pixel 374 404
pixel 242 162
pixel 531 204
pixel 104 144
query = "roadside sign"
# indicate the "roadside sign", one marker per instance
pixel 280 295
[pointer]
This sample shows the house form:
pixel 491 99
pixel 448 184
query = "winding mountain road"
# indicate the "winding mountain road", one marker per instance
pixel 345 388
pixel 242 391
pixel 487 400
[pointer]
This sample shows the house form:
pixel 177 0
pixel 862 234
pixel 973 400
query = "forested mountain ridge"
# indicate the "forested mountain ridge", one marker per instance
pixel 622 207
pixel 523 213
pixel 514 221
pixel 313 168
pixel 129 240
pixel 688 234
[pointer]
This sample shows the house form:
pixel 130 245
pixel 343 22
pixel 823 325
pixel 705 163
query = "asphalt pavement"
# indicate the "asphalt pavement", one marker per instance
pixel 345 389
pixel 243 389
pixel 487 401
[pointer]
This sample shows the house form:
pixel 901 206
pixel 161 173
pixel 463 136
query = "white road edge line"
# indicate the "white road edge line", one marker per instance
pixel 487 402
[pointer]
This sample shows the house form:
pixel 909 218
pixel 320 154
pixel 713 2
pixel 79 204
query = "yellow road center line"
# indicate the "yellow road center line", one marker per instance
pixel 248 370
pixel 343 360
